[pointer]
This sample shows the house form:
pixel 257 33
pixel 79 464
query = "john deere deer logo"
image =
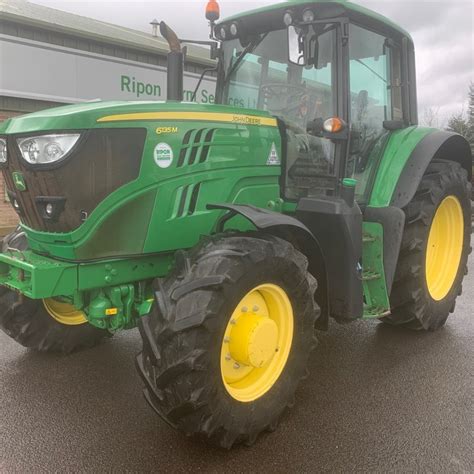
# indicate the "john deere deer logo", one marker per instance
pixel 19 181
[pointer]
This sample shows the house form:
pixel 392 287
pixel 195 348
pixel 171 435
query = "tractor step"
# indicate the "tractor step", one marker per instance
pixel 377 303
pixel 371 312
pixel 367 238
pixel 368 275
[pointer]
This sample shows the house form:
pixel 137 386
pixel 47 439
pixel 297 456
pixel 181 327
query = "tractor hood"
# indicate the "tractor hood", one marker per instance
pixel 127 169
pixel 98 114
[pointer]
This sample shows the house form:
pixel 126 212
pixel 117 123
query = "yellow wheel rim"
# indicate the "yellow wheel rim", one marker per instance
pixel 257 343
pixel 445 244
pixel 64 313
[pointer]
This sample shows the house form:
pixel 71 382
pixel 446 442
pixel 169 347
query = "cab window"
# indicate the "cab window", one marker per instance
pixel 375 97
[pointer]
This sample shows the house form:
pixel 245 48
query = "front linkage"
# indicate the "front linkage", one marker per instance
pixel 111 294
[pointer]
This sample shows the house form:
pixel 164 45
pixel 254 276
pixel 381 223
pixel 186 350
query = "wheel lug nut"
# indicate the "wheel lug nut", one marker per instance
pixel 228 357
pixel 255 308
pixel 233 321
pixel 244 309
pixel 236 366
pixel 226 339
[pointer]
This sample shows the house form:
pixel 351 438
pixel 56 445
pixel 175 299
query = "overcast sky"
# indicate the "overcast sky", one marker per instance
pixel 443 32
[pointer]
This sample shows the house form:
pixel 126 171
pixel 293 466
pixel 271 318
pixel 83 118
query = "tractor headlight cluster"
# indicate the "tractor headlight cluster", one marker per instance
pixel 46 149
pixel 224 32
pixel 221 33
pixel 291 17
pixel 3 150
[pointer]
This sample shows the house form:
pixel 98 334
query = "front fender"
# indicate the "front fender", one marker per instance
pixel 292 230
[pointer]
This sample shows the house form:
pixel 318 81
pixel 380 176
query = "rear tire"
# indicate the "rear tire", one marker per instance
pixel 28 322
pixel 418 303
pixel 181 362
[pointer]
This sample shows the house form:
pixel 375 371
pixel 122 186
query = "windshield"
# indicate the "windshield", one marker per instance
pixel 260 76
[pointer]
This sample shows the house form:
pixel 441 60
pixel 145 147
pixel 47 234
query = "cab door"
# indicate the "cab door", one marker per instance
pixel 374 103
pixel 375 107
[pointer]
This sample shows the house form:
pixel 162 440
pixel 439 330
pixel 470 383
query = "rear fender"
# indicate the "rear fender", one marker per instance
pixel 291 230
pixel 437 145
pixel 399 176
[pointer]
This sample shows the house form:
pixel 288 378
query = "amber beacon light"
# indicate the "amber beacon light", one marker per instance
pixel 212 10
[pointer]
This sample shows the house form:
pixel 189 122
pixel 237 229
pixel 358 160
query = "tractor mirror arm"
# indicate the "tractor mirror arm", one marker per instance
pixel 214 45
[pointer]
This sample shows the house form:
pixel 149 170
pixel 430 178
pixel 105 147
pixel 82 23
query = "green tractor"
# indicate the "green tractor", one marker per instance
pixel 227 233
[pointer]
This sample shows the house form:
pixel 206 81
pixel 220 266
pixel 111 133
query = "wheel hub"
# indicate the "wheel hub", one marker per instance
pixel 253 340
pixel 257 342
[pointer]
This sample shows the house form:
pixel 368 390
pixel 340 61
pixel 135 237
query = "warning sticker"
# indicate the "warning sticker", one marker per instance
pixel 273 158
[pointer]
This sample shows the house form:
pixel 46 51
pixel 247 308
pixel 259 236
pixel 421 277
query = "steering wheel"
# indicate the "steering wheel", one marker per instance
pixel 294 97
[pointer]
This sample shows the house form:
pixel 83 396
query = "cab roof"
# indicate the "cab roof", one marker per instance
pixel 349 8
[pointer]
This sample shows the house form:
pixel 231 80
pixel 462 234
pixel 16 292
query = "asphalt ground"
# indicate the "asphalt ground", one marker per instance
pixel 378 400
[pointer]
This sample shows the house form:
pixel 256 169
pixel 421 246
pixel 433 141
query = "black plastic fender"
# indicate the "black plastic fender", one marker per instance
pixel 436 145
pixel 292 230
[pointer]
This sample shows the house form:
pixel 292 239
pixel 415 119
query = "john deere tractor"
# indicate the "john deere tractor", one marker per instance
pixel 229 232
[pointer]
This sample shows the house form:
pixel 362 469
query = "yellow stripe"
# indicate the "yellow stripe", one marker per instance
pixel 200 116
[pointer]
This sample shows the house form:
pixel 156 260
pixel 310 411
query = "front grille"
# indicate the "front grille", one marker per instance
pixel 106 160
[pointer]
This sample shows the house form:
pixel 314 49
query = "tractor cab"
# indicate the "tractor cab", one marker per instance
pixel 338 80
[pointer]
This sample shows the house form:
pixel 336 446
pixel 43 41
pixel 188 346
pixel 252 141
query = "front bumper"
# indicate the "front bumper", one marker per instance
pixel 39 277
pixel 36 276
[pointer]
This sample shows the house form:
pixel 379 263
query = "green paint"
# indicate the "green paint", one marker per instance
pixel 151 202
pixel 375 289
pixel 19 181
pixel 36 276
pixel 397 152
pixel 84 116
pixel 40 277
pixel 113 308
pixel 349 182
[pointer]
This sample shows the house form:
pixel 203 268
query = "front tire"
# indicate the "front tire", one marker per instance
pixel 228 339
pixel 434 251
pixel 44 326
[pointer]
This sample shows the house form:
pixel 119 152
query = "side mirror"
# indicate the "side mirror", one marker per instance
pixel 303 46
pixel 296 46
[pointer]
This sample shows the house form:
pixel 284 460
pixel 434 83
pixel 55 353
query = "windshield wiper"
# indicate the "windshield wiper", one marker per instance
pixel 248 49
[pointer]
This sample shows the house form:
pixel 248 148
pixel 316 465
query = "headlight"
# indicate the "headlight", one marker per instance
pixel 288 18
pixel 46 148
pixel 3 150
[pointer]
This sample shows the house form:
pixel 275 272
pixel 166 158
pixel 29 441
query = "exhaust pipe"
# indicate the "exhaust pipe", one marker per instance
pixel 175 64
